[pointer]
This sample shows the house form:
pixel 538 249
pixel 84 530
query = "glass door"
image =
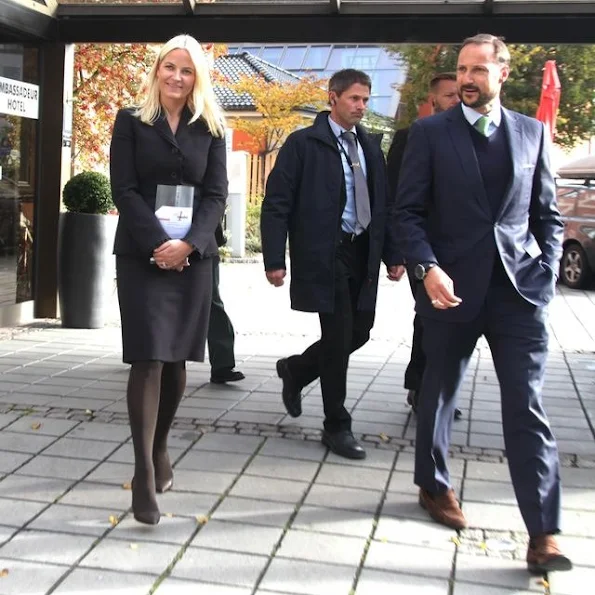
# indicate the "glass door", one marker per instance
pixel 17 177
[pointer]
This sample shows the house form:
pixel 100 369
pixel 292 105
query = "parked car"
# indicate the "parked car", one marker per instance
pixel 576 201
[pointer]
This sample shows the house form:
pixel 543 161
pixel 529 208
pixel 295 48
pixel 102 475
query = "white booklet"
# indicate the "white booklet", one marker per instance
pixel 173 207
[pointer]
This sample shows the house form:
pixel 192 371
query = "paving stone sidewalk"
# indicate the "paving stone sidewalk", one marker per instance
pixel 259 507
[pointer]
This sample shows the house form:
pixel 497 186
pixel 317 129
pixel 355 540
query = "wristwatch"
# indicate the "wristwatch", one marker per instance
pixel 421 270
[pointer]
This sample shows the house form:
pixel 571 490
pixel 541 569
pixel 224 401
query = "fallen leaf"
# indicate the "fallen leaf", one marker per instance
pixel 127 486
pixel 483 545
pixel 455 540
pixel 169 515
pixel 3 572
pixel 88 412
pixel 113 520
pixel 384 540
pixel 134 546
pixel 384 437
pixel 36 426
pixel 544 583
pixel 201 519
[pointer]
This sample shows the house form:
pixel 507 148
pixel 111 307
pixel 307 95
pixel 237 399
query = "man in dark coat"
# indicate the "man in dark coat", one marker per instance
pixel 327 193
pixel 476 213
pixel 442 95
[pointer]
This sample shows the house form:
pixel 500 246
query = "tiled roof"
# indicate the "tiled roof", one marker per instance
pixel 235 66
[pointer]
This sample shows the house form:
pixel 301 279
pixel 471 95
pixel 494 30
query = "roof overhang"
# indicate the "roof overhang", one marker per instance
pixel 27 20
pixel 308 21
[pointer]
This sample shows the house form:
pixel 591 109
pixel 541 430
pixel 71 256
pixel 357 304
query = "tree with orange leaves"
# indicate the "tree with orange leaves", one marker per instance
pixel 283 107
pixel 107 77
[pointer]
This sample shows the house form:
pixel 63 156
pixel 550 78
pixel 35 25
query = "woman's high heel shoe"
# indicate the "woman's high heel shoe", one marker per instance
pixel 144 504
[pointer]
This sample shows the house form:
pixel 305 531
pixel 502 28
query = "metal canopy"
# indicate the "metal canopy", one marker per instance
pixel 308 21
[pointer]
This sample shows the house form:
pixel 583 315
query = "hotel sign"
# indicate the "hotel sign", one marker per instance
pixel 19 99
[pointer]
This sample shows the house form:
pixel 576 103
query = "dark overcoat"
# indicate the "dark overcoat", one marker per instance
pixel 304 201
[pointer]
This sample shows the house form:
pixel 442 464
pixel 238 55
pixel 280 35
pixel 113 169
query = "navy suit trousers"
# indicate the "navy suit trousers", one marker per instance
pixel 517 335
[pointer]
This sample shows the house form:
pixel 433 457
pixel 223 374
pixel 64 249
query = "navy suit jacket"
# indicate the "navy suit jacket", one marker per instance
pixel 442 213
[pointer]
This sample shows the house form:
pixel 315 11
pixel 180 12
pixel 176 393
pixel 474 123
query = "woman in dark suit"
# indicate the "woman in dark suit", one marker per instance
pixel 174 138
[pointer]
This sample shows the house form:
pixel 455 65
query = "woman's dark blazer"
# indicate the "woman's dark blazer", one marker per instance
pixel 143 156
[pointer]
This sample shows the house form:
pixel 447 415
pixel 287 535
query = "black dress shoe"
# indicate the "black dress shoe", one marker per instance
pixel 458 413
pixel 292 396
pixel 226 375
pixel 343 444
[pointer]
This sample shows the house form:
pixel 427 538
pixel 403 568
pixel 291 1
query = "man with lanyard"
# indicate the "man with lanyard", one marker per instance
pixel 327 194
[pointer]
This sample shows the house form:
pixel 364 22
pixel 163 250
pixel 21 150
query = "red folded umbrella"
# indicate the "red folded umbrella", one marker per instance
pixel 550 97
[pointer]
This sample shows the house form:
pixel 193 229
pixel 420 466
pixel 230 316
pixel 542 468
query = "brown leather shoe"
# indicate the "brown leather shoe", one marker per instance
pixel 544 555
pixel 443 508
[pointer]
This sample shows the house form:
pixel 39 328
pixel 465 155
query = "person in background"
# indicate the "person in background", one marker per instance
pixel 327 193
pixel 221 335
pixel 175 137
pixel 442 95
pixel 476 216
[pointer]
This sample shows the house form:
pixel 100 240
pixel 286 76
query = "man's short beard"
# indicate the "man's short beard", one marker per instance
pixel 482 100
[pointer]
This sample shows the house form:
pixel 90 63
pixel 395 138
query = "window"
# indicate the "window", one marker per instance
pixel 386 60
pixel 18 143
pixel 272 54
pixel 341 57
pixel 253 49
pixel 293 57
pixel 366 58
pixel 383 82
pixel 317 57
pixel 380 105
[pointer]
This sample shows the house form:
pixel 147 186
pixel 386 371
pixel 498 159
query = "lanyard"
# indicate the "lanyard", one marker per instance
pixel 342 149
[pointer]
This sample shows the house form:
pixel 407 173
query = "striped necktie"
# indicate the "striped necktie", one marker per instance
pixel 362 197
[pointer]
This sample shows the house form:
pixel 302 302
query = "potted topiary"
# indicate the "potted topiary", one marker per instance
pixel 85 261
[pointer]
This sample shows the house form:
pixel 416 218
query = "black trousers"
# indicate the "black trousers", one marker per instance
pixel 517 335
pixel 342 332
pixel 221 336
pixel 417 360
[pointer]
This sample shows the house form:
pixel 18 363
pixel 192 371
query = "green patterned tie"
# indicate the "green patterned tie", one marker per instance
pixel 482 125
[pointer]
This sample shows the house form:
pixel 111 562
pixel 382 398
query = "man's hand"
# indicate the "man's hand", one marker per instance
pixel 182 266
pixel 395 272
pixel 172 254
pixel 440 289
pixel 276 277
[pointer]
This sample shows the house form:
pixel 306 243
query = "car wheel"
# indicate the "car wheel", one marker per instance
pixel 574 268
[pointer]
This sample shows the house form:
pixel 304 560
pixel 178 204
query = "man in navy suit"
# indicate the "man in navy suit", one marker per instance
pixel 476 213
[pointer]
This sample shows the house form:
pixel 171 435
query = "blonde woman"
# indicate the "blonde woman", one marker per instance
pixel 171 144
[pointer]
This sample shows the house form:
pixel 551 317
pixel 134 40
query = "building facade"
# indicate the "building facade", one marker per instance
pixel 322 60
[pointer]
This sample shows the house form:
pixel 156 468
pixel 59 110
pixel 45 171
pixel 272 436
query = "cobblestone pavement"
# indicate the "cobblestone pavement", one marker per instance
pixel 259 507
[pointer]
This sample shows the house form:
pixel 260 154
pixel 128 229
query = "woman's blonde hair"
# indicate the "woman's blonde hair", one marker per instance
pixel 201 101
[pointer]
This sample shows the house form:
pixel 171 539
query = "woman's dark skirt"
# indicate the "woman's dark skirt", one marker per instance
pixel 165 314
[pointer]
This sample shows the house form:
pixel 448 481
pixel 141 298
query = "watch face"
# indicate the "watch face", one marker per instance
pixel 419 272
